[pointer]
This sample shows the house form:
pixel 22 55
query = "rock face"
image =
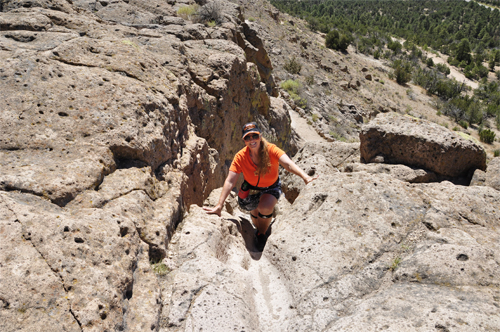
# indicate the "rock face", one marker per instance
pixel 419 143
pixel 115 118
pixel 87 96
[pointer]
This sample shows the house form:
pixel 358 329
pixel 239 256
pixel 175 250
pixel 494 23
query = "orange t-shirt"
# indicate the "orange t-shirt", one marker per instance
pixel 242 163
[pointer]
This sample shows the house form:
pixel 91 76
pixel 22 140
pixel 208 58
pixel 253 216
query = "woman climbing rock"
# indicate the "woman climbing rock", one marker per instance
pixel 259 162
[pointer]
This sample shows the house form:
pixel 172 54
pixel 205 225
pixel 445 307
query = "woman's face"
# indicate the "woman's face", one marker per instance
pixel 252 140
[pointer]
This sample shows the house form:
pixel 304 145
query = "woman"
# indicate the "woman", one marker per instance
pixel 259 162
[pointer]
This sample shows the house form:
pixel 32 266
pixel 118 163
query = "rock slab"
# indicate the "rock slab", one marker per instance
pixel 420 143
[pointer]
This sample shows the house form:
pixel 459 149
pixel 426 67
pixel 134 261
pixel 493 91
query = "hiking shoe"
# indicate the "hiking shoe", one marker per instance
pixel 260 241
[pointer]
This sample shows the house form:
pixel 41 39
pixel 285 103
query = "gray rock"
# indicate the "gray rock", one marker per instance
pixel 355 251
pixel 318 159
pixel 401 172
pixel 420 143
pixel 489 178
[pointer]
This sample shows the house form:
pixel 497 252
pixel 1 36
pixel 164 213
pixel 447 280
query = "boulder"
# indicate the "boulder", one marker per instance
pixel 420 143
pixel 489 178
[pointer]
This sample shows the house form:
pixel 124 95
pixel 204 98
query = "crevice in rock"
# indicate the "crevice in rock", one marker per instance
pixel 77 64
pixel 197 292
pixel 68 62
pixel 156 326
pixel 343 160
pixel 469 219
pixel 4 303
pixel 74 316
pixel 202 84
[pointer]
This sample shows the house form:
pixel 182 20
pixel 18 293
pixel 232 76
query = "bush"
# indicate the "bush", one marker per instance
pixel 187 12
pixel 443 68
pixel 337 41
pixel 487 136
pixel 463 124
pixel 395 46
pixel 496 153
pixel 402 71
pixel 293 87
pixel 293 66
pixel 430 62
pixel 211 12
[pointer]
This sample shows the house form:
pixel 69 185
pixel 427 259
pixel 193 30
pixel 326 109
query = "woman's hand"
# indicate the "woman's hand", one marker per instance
pixel 308 179
pixel 215 210
pixel 290 166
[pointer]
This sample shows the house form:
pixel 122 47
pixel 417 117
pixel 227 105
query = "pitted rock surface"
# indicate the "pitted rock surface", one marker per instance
pixel 420 143
pixel 118 118
pixel 115 117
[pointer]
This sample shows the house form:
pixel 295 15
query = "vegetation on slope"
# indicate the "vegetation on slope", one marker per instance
pixel 466 31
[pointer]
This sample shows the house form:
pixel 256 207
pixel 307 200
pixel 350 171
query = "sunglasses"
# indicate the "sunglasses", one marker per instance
pixel 250 137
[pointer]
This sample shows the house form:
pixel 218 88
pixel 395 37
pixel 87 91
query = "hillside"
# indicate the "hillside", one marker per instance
pixel 118 122
pixel 331 78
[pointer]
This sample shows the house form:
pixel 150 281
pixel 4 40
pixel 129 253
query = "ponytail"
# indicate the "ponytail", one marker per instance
pixel 264 161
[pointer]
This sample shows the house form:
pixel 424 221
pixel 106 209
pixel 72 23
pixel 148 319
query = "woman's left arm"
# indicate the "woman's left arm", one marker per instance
pixel 290 166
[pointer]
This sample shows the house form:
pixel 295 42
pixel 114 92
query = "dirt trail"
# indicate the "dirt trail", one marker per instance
pixel 453 71
pixel 305 131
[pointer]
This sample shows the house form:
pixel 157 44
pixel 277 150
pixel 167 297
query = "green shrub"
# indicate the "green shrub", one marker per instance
pixel 443 68
pixel 402 71
pixel 463 124
pixel 337 41
pixel 496 153
pixel 293 66
pixel 160 269
pixel 487 136
pixel 291 86
pixel 456 128
pixel 395 263
pixel 187 12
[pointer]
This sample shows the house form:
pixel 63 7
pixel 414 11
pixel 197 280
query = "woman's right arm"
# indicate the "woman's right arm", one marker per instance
pixel 229 184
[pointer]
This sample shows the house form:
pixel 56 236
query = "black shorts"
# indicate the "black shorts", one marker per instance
pixel 252 201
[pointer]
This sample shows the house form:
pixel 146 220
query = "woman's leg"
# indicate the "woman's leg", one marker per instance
pixel 265 208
